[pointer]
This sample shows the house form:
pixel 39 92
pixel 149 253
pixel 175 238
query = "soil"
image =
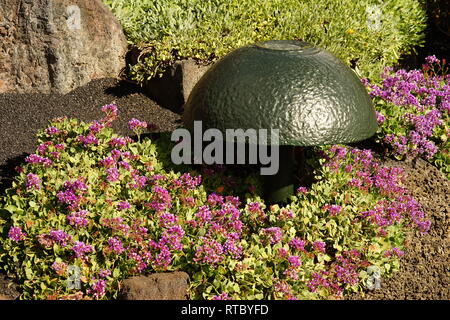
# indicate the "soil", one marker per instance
pixel 22 115
pixel 424 270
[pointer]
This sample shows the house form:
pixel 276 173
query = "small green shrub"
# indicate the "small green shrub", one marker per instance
pixel 366 39
pixel 108 206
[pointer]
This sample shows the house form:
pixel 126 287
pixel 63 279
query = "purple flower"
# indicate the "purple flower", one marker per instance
pixel 135 124
pixel 60 237
pixel 104 273
pixel 364 81
pixel 59 267
pixel 35 159
pixel 161 199
pixel 112 174
pixel 78 219
pixel 302 190
pixel 188 181
pixel 87 140
pixel 273 234
pixel 163 258
pixel 318 280
pixel 98 288
pixel 139 181
pixel 32 182
pixel 254 207
pixel 43 147
pixel 111 113
pixel 297 244
pixel 79 248
pixel 380 117
pixel 107 162
pixel 294 261
pixel 51 131
pixel 281 287
pixel 232 249
pixel 394 251
pixel 333 209
pixel 71 193
pixel 346 274
pixel 282 252
pixel 204 214
pixel 123 205
pixel 318 246
pixel 167 219
pixel 432 59
pixel 125 165
pixel 173 236
pixel 110 108
pixel 114 244
pixel 16 234
pixel 96 126
pixel 222 296
pixel 210 252
pixel 215 199
pixel 119 142
pixel 115 154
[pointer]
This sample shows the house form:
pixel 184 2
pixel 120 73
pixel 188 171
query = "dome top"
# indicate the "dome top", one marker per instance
pixel 302 90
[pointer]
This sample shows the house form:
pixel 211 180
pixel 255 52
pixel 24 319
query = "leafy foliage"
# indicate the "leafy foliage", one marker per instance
pixel 414 112
pixel 109 206
pixel 364 34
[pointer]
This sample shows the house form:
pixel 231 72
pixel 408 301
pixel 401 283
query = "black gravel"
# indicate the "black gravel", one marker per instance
pixel 21 115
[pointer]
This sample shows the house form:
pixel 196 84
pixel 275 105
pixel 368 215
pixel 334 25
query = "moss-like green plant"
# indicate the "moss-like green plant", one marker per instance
pixel 364 34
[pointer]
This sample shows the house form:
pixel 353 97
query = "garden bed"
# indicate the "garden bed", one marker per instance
pixel 143 214
pixel 424 272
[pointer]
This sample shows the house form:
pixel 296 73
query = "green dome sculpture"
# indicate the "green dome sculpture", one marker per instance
pixel 307 93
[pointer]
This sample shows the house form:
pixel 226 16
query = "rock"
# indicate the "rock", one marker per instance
pixel 157 286
pixel 8 289
pixel 55 46
pixel 173 88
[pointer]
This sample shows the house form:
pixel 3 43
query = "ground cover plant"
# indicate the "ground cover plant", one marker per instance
pixel 414 112
pixel 114 207
pixel 366 35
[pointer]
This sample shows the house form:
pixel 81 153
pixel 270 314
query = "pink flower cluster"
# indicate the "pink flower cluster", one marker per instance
pixel 428 93
pixel 80 249
pixel 71 193
pixel 32 182
pixel 36 159
pixel 16 234
pixel 78 219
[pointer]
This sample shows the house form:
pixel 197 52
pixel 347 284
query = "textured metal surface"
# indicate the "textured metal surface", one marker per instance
pixel 305 92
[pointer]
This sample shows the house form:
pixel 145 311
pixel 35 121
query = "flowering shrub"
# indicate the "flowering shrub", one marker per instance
pixel 414 112
pixel 111 208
